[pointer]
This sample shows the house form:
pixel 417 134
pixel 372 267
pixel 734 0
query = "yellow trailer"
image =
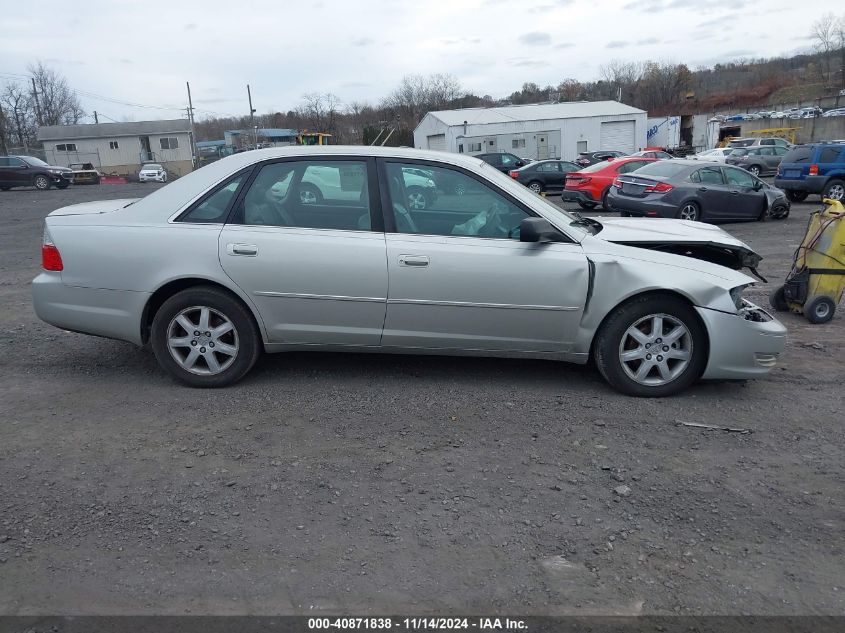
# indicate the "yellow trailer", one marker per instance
pixel 815 284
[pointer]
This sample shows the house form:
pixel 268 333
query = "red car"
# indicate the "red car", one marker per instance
pixel 589 186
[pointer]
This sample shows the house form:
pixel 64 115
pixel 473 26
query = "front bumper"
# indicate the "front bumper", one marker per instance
pixel 109 313
pixel 651 206
pixel 571 195
pixel 741 348
pixel 151 178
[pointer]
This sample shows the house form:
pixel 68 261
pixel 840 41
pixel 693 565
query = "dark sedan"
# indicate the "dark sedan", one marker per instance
pixel 688 190
pixel 544 175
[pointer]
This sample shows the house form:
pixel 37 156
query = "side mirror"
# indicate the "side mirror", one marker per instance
pixel 537 230
pixel 758 185
pixel 519 163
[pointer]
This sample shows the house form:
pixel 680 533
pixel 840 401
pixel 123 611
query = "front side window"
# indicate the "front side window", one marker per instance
pixel 479 212
pixel 169 142
pixel 508 160
pixel 739 177
pixel 310 194
pixel 215 207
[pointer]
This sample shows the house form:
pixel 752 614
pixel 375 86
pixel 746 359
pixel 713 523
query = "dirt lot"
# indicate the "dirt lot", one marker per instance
pixel 371 484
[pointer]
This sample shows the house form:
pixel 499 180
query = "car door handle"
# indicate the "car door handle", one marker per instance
pixel 734 192
pixel 415 261
pixel 702 189
pixel 248 250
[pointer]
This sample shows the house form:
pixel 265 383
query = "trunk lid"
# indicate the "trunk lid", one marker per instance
pixel 93 208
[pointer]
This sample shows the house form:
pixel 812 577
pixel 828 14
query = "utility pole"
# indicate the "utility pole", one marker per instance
pixel 96 120
pixel 191 122
pixel 251 115
pixel 3 146
pixel 21 137
pixel 37 104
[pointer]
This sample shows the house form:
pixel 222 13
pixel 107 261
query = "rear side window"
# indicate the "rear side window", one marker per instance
pixel 664 169
pixel 214 208
pixel 801 154
pixel 830 155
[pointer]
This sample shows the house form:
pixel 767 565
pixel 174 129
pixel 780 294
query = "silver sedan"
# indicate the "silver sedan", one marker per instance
pixel 233 260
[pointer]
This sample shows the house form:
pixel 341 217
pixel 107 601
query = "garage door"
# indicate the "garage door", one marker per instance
pixel 437 142
pixel 618 135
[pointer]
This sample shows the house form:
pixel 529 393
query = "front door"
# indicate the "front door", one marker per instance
pixel 308 247
pixel 460 279
pixel 713 194
pixel 748 202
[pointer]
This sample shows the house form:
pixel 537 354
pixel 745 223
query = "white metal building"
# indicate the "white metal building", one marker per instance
pixel 535 131
pixel 121 148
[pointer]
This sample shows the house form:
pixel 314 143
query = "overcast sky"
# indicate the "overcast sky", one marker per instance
pixel 143 51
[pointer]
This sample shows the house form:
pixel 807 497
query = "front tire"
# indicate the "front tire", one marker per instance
pixel 651 346
pixel 204 337
pixel 834 190
pixel 754 170
pixel 42 183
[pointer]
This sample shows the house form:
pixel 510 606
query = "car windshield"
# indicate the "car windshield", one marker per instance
pixel 152 167
pixel 35 162
pixel 662 169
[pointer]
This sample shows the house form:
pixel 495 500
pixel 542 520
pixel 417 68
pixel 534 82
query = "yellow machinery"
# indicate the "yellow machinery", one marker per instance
pixel 814 285
pixel 787 133
pixel 313 138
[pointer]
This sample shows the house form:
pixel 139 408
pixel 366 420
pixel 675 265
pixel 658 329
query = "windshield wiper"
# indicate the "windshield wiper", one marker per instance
pixel 590 223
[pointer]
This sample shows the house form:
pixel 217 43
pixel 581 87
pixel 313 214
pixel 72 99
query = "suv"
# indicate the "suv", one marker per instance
pixel 755 141
pixel 28 171
pixel 760 160
pixel 503 161
pixel 813 168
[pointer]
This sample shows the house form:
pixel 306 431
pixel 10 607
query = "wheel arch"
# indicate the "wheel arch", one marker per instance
pixel 174 286
pixel 652 293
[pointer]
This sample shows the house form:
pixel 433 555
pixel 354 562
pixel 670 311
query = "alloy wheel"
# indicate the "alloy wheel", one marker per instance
pixel 689 212
pixel 535 187
pixel 836 192
pixel 656 349
pixel 306 196
pixel 202 340
pixel 754 170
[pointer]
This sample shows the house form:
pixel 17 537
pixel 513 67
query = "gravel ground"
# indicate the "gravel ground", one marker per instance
pixel 377 484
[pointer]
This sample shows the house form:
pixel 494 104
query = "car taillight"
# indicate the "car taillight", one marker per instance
pixel 617 183
pixel 513 173
pixel 661 187
pixel 51 259
pixel 814 170
pixel 583 161
pixel 577 180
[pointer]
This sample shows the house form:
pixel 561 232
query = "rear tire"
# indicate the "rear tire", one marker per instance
pixel 796 196
pixel 754 170
pixel 635 370
pixel 587 205
pixel 189 355
pixel 819 309
pixel 536 187
pixel 689 211
pixel 777 299
pixel 834 190
pixel 604 204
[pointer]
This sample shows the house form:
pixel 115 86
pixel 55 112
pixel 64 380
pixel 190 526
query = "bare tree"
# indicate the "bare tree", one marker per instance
pixel 825 34
pixel 320 112
pixel 17 105
pixel 416 94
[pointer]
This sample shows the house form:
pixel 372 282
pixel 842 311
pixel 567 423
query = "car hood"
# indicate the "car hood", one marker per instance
pixel 92 208
pixel 682 237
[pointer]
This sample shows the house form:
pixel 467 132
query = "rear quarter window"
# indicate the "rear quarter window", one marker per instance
pixel 830 155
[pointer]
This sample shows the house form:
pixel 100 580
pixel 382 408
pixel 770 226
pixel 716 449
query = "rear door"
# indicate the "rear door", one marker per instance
pixel 551 175
pixel 307 245
pixel 746 201
pixel 17 172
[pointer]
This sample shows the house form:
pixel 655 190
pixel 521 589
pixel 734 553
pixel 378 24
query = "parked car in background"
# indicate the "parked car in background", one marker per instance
pixel 688 190
pixel 811 112
pixel 814 168
pixel 85 174
pixel 590 186
pixel 759 160
pixel 28 171
pixel 503 161
pixel 591 158
pixel 735 117
pixel 152 172
pixel 754 141
pixel 654 153
pixel 716 155
pixel 211 272
pixel 544 175
pixel 835 112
